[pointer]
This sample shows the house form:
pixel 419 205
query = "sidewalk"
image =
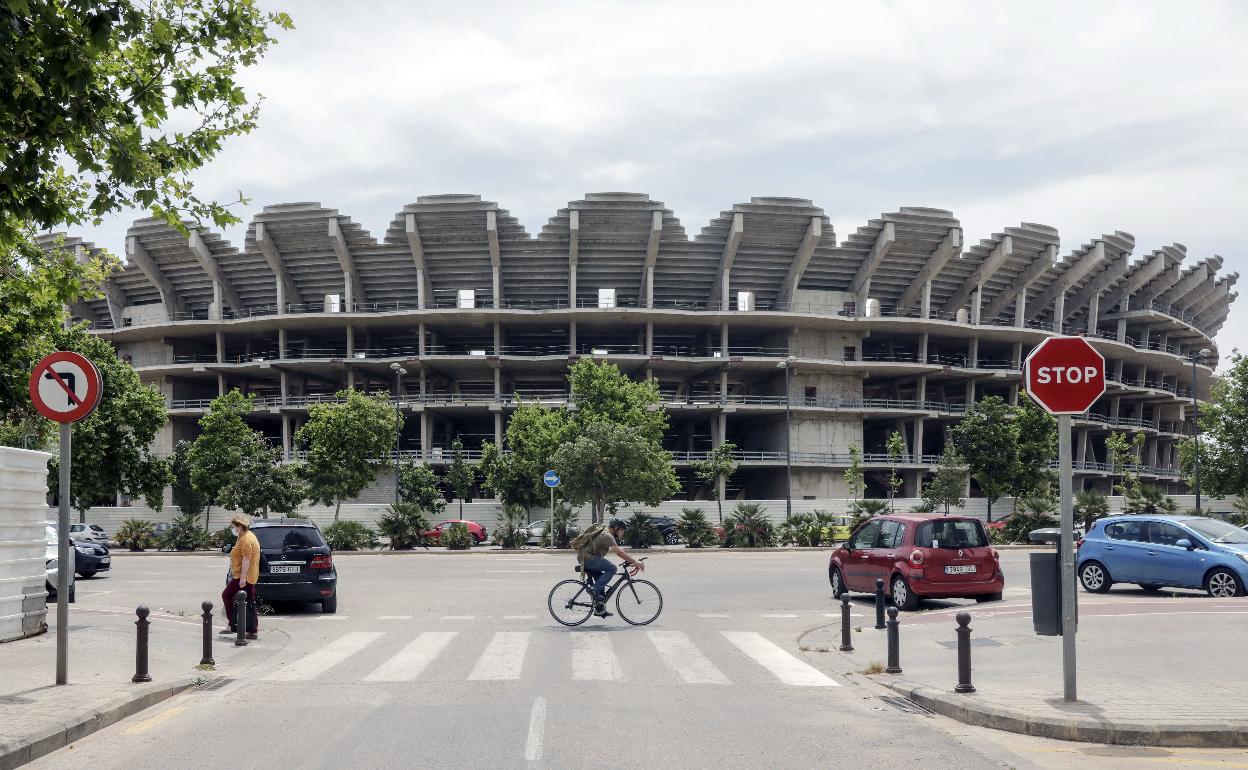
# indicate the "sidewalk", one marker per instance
pixel 37 717
pixel 1161 674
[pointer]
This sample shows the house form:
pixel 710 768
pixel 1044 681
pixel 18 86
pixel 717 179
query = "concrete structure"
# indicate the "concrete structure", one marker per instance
pixel 23 516
pixel 896 328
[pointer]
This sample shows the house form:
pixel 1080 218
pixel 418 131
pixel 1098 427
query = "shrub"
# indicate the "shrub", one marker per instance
pixel 640 531
pixel 1090 505
pixel 802 529
pixel 511 532
pixel 1020 524
pixel 456 537
pixel 565 527
pixel 221 538
pixel 350 536
pixel 136 534
pixel 1239 515
pixel 1148 499
pixel 748 527
pixel 185 534
pixel 861 510
pixel 403 524
pixel 694 529
pixel 924 506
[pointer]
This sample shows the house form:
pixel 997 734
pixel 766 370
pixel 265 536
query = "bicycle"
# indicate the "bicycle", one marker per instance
pixel 571 603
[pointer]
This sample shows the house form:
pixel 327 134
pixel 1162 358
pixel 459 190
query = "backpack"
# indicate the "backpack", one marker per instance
pixel 585 538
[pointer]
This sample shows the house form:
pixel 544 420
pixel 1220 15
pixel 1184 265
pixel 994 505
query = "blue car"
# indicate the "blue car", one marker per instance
pixel 1170 551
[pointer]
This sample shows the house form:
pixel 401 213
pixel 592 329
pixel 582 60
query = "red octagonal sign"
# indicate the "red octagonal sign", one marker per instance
pixel 1065 375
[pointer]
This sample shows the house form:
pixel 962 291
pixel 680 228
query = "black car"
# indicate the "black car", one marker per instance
pixel 298 565
pixel 90 558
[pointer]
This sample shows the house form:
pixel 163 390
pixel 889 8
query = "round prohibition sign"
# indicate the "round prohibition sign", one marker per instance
pixel 65 387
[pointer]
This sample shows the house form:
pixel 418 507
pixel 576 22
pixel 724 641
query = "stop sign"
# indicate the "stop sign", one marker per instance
pixel 1065 375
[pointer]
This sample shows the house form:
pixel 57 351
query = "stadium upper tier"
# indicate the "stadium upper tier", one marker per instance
pixel 624 250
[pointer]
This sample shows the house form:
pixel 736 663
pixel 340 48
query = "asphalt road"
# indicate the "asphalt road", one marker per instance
pixel 438 660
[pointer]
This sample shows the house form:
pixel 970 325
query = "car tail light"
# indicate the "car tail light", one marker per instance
pixel 995 553
pixel 324 561
pixel 916 557
pixel 1079 543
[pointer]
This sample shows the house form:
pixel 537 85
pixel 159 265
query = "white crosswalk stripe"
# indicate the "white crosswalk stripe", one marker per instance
pixel 504 657
pixel 413 659
pixel 593 657
pixel 769 655
pixel 683 657
pixel 313 665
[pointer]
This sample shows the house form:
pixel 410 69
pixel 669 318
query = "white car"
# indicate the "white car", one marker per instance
pixel 93 532
pixel 51 555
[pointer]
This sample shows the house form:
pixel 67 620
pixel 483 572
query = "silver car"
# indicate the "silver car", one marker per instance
pixel 536 529
pixel 52 558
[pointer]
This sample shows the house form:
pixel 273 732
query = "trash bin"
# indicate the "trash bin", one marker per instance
pixel 1046 583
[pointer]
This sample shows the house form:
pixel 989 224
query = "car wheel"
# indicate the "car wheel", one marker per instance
pixel 1223 583
pixel 838 584
pixel 329 605
pixel 1094 577
pixel 671 538
pixel 1150 586
pixel 86 575
pixel 988 597
pixel 903 598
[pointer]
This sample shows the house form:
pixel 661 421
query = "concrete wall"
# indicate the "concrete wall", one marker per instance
pixel 23 513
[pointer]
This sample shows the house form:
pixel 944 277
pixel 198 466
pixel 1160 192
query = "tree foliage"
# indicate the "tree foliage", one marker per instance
pixel 609 463
pixel 855 482
pixel 1090 505
pixel 404 524
pixel 1224 435
pixel 112 447
pixel 694 529
pixel 1149 500
pixel 263 485
pixel 186 496
pixel 218 452
pixel 987 439
pixel 460 476
pixel 719 464
pixel 1124 456
pixel 1036 432
pixel 111 104
pixel 418 486
pixel 346 442
pixel 533 434
pixel 896 448
pixel 947 484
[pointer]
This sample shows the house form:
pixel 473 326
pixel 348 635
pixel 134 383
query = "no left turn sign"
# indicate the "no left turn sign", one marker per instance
pixel 65 387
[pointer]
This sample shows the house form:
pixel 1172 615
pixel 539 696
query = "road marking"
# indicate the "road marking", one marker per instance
pixel 147 724
pixel 394 617
pixel 323 616
pixel 503 657
pixel 769 655
pixel 593 659
pixel 680 654
pixel 314 664
pixel 537 729
pixel 519 617
pixel 516 571
pixel 711 615
pixel 412 659
pixel 458 617
pixel 779 615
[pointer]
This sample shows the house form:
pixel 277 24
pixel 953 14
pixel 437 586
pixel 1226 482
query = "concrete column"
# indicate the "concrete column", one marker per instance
pixel 285 437
pixel 572 338
pixel 280 290
pixel 1059 311
pixel 215 310
pixel 498 429
pixel 1081 446
pixel 723 385
pixel 350 341
pixel 723 340
pixel 972 352
pixel 496 285
pixel 220 348
pixel 220 384
pixel 426 432
pixel 572 285
pixel 281 343
pixel 284 379
pixel 970 392
pixel 1013 394
pixel 1114 403
pixel 649 338
pixel 688 436
pixel 350 378
pixel 923 339
pixel 926 302
pixel 420 341
pixel 977 304
pixel 1118 369
pixel 920 390
pixel 725 289
pixel 917 430
pixel 498 338
pixel 420 288
pixel 1094 314
pixel 1017 355
pixel 650 286
pixel 1121 336
pixel 498 384
pixel 1020 309
pixel 1143 375
pixel 424 382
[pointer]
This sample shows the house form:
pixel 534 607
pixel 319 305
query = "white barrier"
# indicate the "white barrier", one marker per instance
pixel 23 512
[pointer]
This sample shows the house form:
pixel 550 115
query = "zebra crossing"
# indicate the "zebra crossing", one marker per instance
pixel 587 656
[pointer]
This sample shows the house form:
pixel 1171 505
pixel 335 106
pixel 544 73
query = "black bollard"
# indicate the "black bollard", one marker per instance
pixel 964 654
pixel 207 659
pixel 894 643
pixel 140 649
pixel 879 603
pixel 846 644
pixel 240 618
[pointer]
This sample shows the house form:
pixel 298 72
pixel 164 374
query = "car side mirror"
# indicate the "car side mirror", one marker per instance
pixel 1185 543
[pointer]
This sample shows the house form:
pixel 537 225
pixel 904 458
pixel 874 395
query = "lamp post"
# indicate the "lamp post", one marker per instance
pixel 398 422
pixel 1197 358
pixel 786 365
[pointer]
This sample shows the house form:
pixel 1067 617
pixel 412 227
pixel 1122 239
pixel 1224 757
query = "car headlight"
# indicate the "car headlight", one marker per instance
pixel 52 563
pixel 85 549
pixel 1242 555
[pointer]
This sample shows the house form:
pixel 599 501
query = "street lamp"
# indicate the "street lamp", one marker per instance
pixel 1197 358
pixel 786 365
pixel 398 422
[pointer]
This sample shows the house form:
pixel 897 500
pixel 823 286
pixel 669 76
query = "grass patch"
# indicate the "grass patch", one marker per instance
pixel 875 667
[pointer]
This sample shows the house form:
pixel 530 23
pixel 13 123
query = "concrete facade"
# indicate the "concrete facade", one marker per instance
pixel 896 328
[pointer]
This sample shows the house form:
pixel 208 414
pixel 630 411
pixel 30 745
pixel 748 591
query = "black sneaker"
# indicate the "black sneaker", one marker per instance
pixel 253 636
pixel 228 632
pixel 600 610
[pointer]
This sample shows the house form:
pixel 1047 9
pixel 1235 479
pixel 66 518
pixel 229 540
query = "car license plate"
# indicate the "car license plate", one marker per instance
pixel 961 569
pixel 284 568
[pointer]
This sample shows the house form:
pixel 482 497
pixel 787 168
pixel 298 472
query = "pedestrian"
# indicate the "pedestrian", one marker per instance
pixel 242 576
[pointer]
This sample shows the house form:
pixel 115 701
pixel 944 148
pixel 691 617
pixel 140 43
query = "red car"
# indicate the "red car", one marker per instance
pixel 478 531
pixel 918 556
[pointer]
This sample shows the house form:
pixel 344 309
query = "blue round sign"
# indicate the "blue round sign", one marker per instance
pixel 551 479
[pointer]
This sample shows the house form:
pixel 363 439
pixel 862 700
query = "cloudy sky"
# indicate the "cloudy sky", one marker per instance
pixel 1090 117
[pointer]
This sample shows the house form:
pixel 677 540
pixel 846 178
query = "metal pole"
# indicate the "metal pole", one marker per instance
pixel 894 643
pixel 1195 435
pixel 551 530
pixel 140 646
pixel 1069 597
pixel 398 431
pixel 63 571
pixel 788 447
pixel 879 603
pixel 847 644
pixel 207 660
pixel 964 653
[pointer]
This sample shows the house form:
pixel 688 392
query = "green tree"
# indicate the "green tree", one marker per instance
pixel 263 484
pixel 460 476
pixel 418 486
pixel 404 525
pixel 533 434
pixel 112 447
pixel 1224 435
pixel 855 482
pixel 1090 505
pixel 1148 500
pixel 1037 449
pixel 346 443
pixel 186 496
pixel 896 448
pixel 602 392
pixel 1124 456
pixel 719 464
pixel 987 439
pixel 947 484
pixel 694 529
pixel 112 104
pixel 218 452
pixel 609 463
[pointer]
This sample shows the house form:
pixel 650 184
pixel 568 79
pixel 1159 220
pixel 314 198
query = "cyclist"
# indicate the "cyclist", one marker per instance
pixel 591 551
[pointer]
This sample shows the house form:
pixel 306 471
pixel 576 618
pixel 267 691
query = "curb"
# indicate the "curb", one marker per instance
pixel 488 551
pixel 969 710
pixel 17 752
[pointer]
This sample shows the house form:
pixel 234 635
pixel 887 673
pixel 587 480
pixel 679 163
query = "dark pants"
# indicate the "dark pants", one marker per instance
pixel 227 605
pixel 601 570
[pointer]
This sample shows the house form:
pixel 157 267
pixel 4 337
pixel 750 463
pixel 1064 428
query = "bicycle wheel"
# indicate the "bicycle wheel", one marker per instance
pixel 639 602
pixel 570 602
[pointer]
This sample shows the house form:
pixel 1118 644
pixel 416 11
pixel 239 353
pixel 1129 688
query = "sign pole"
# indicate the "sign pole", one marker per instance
pixel 552 517
pixel 1067 552
pixel 62 561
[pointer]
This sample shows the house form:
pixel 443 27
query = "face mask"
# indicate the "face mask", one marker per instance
pixel 234 530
